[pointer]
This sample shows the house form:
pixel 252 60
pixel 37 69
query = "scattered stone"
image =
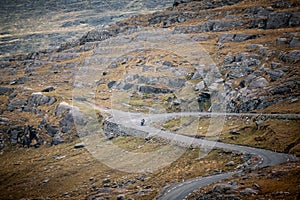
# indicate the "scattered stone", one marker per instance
pixel 253 46
pixel 295 20
pixel 248 191
pixel 278 20
pixel 51 130
pixel 168 64
pixel 230 164
pixel 236 37
pixel 294 100
pixel 121 197
pixel 70 115
pixel 210 25
pixel 59 157
pixel 59 57
pixel 79 145
pixel 37 99
pixel 57 139
pixel 199 86
pixel 4 90
pixel 258 83
pixel 4 119
pixel 292 56
pixel 259 122
pixel 274 74
pixel 45 181
pixel 200 37
pixel 111 84
pixel 51 101
pixel 112 66
pixel 256 186
pixel 275 65
pixel 104 73
pixel 48 89
pixel 295 42
pixel 62 107
pixel 151 89
pixel 97 35
pixel 228 59
pixel 21 80
pixel 234 132
pixel 105 181
pixel 224 188
pixel 281 41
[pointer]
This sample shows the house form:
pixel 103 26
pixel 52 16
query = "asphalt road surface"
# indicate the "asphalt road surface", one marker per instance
pixel 182 190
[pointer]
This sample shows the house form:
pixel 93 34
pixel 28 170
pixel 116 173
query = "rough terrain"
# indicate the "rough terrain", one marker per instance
pixel 195 56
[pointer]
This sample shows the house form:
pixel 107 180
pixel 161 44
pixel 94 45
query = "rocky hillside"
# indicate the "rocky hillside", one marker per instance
pixel 237 56
pixel 249 58
pixel 28 26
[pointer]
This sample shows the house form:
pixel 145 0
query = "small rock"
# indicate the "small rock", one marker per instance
pixel 51 130
pixel 258 83
pixel 230 163
pixel 248 191
pixel 223 188
pixel 292 56
pixel 48 89
pixel 253 46
pixel 4 90
pixel 38 98
pixel 199 86
pixel 295 42
pixel 51 101
pixel 114 185
pixel 278 20
pixel 56 139
pixel 201 37
pixel 79 145
pixel 281 41
pixel 105 181
pixel 113 66
pixel 236 37
pixel 148 187
pixel 45 181
pixel 4 119
pixel 294 100
pixel 59 157
pixel 275 65
pixel 121 197
pixel 274 74
pixel 111 84
pixel 105 73
pixel 259 122
pixel 234 132
pixel 256 186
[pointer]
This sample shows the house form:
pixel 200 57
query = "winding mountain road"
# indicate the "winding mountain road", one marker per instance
pixel 183 189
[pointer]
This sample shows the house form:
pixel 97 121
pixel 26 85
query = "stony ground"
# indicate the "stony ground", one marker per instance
pixel 28 26
pixel 279 182
pixel 229 55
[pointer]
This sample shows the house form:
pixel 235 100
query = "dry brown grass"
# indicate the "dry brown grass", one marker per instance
pixel 276 134
pixel 24 171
